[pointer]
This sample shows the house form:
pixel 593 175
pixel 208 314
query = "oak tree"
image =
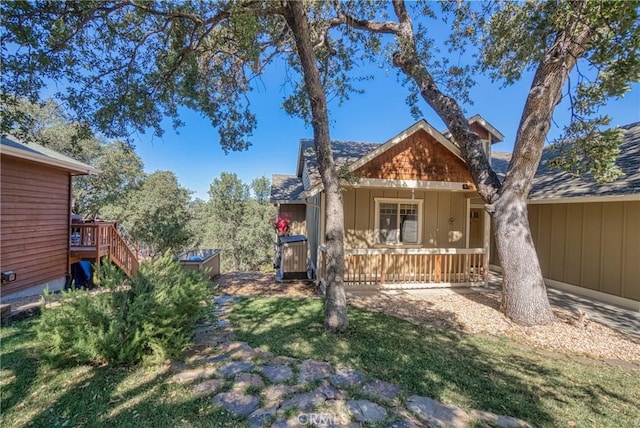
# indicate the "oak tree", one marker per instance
pixel 548 38
pixel 123 66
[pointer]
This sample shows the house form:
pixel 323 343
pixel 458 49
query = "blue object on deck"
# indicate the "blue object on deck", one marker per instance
pixel 195 259
pixel 81 273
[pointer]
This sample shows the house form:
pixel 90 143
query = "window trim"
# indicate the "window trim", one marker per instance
pixel 397 202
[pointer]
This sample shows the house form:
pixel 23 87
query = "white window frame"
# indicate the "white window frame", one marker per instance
pixel 398 202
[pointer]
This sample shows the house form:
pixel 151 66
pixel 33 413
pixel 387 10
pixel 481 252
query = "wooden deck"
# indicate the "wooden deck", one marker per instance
pixel 411 268
pixel 93 241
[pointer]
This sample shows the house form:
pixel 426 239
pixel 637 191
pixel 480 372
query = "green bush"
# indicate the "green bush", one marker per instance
pixel 149 318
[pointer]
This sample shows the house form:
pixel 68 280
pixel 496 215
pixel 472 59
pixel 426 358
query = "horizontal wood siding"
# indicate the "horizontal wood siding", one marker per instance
pixel 419 157
pixel 34 207
pixel 591 245
pixel 443 223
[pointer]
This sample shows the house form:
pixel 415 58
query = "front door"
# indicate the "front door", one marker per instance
pixel 476 228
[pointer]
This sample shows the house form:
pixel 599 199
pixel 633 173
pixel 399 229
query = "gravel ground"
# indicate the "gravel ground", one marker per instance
pixel 473 312
pixel 479 313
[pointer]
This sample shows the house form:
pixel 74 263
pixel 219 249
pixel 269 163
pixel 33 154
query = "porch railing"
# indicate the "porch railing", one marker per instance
pixel 103 239
pixel 410 268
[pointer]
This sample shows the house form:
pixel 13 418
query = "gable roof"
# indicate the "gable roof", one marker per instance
pixel 286 189
pixel 420 125
pixel 11 146
pixel 355 155
pixel 345 153
pixel 496 136
pixel 553 184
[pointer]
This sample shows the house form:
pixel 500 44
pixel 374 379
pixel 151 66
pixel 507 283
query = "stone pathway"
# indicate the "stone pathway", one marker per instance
pixel 276 391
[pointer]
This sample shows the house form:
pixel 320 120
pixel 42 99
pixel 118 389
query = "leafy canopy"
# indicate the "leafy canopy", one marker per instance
pixel 125 66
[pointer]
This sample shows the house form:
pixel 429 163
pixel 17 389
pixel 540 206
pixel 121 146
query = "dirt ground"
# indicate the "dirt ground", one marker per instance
pixel 263 284
pixel 474 312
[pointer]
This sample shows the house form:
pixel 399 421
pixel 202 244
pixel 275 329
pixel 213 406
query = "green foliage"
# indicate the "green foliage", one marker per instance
pixel 92 395
pixel 125 66
pixel 121 172
pixel 150 318
pixel 609 65
pixel 47 124
pixel 589 151
pixel 236 221
pixel 156 214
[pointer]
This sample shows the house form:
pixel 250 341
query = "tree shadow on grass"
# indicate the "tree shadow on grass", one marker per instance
pixel 442 363
pixel 35 393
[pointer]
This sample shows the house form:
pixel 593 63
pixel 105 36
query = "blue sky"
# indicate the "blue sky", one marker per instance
pixel 195 156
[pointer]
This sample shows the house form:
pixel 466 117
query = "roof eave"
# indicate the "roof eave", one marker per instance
pixel 583 199
pixel 288 201
pixel 73 168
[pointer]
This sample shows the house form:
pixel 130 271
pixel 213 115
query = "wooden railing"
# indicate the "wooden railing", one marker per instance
pixel 411 268
pixel 96 240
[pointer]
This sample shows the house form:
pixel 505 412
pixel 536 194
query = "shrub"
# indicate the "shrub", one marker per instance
pixel 149 318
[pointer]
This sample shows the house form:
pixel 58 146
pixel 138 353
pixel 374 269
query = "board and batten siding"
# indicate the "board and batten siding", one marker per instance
pixel 592 245
pixel 312 219
pixel 298 225
pixel 443 216
pixel 34 206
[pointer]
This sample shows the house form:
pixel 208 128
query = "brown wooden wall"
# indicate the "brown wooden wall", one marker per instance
pixel 594 245
pixel 480 130
pixel 419 157
pixel 34 210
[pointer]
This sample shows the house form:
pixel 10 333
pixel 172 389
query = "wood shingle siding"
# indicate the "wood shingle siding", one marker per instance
pixel 419 157
pixel 35 223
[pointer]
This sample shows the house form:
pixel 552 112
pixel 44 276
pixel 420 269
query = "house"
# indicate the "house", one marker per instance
pixel 38 244
pixel 410 219
pixel 587 235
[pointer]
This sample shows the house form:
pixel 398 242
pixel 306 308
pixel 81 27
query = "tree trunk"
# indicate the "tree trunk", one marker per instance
pixel 524 294
pixel 524 297
pixel 335 310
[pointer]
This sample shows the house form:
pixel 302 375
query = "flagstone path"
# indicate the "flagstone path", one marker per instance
pixel 278 391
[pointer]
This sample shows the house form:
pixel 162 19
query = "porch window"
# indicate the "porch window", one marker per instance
pixel 398 221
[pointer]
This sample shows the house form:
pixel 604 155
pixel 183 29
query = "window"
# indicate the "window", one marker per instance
pixel 398 221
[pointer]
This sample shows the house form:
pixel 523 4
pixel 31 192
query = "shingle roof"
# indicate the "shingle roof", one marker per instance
pixel 287 188
pixel 34 152
pixel 552 183
pixel 344 153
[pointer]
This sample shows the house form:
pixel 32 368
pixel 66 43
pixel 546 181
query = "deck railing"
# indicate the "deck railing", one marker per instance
pixel 103 239
pixel 411 268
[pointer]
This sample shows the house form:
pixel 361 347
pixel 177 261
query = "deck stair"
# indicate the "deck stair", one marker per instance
pixel 93 241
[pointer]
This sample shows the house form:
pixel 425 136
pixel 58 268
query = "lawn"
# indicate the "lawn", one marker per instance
pixel 475 372
pixel 35 394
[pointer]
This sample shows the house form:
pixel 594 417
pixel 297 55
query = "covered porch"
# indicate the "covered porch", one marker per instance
pixel 398 268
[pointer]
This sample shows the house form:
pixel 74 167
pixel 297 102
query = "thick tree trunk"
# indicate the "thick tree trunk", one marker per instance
pixel 524 294
pixel 335 315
